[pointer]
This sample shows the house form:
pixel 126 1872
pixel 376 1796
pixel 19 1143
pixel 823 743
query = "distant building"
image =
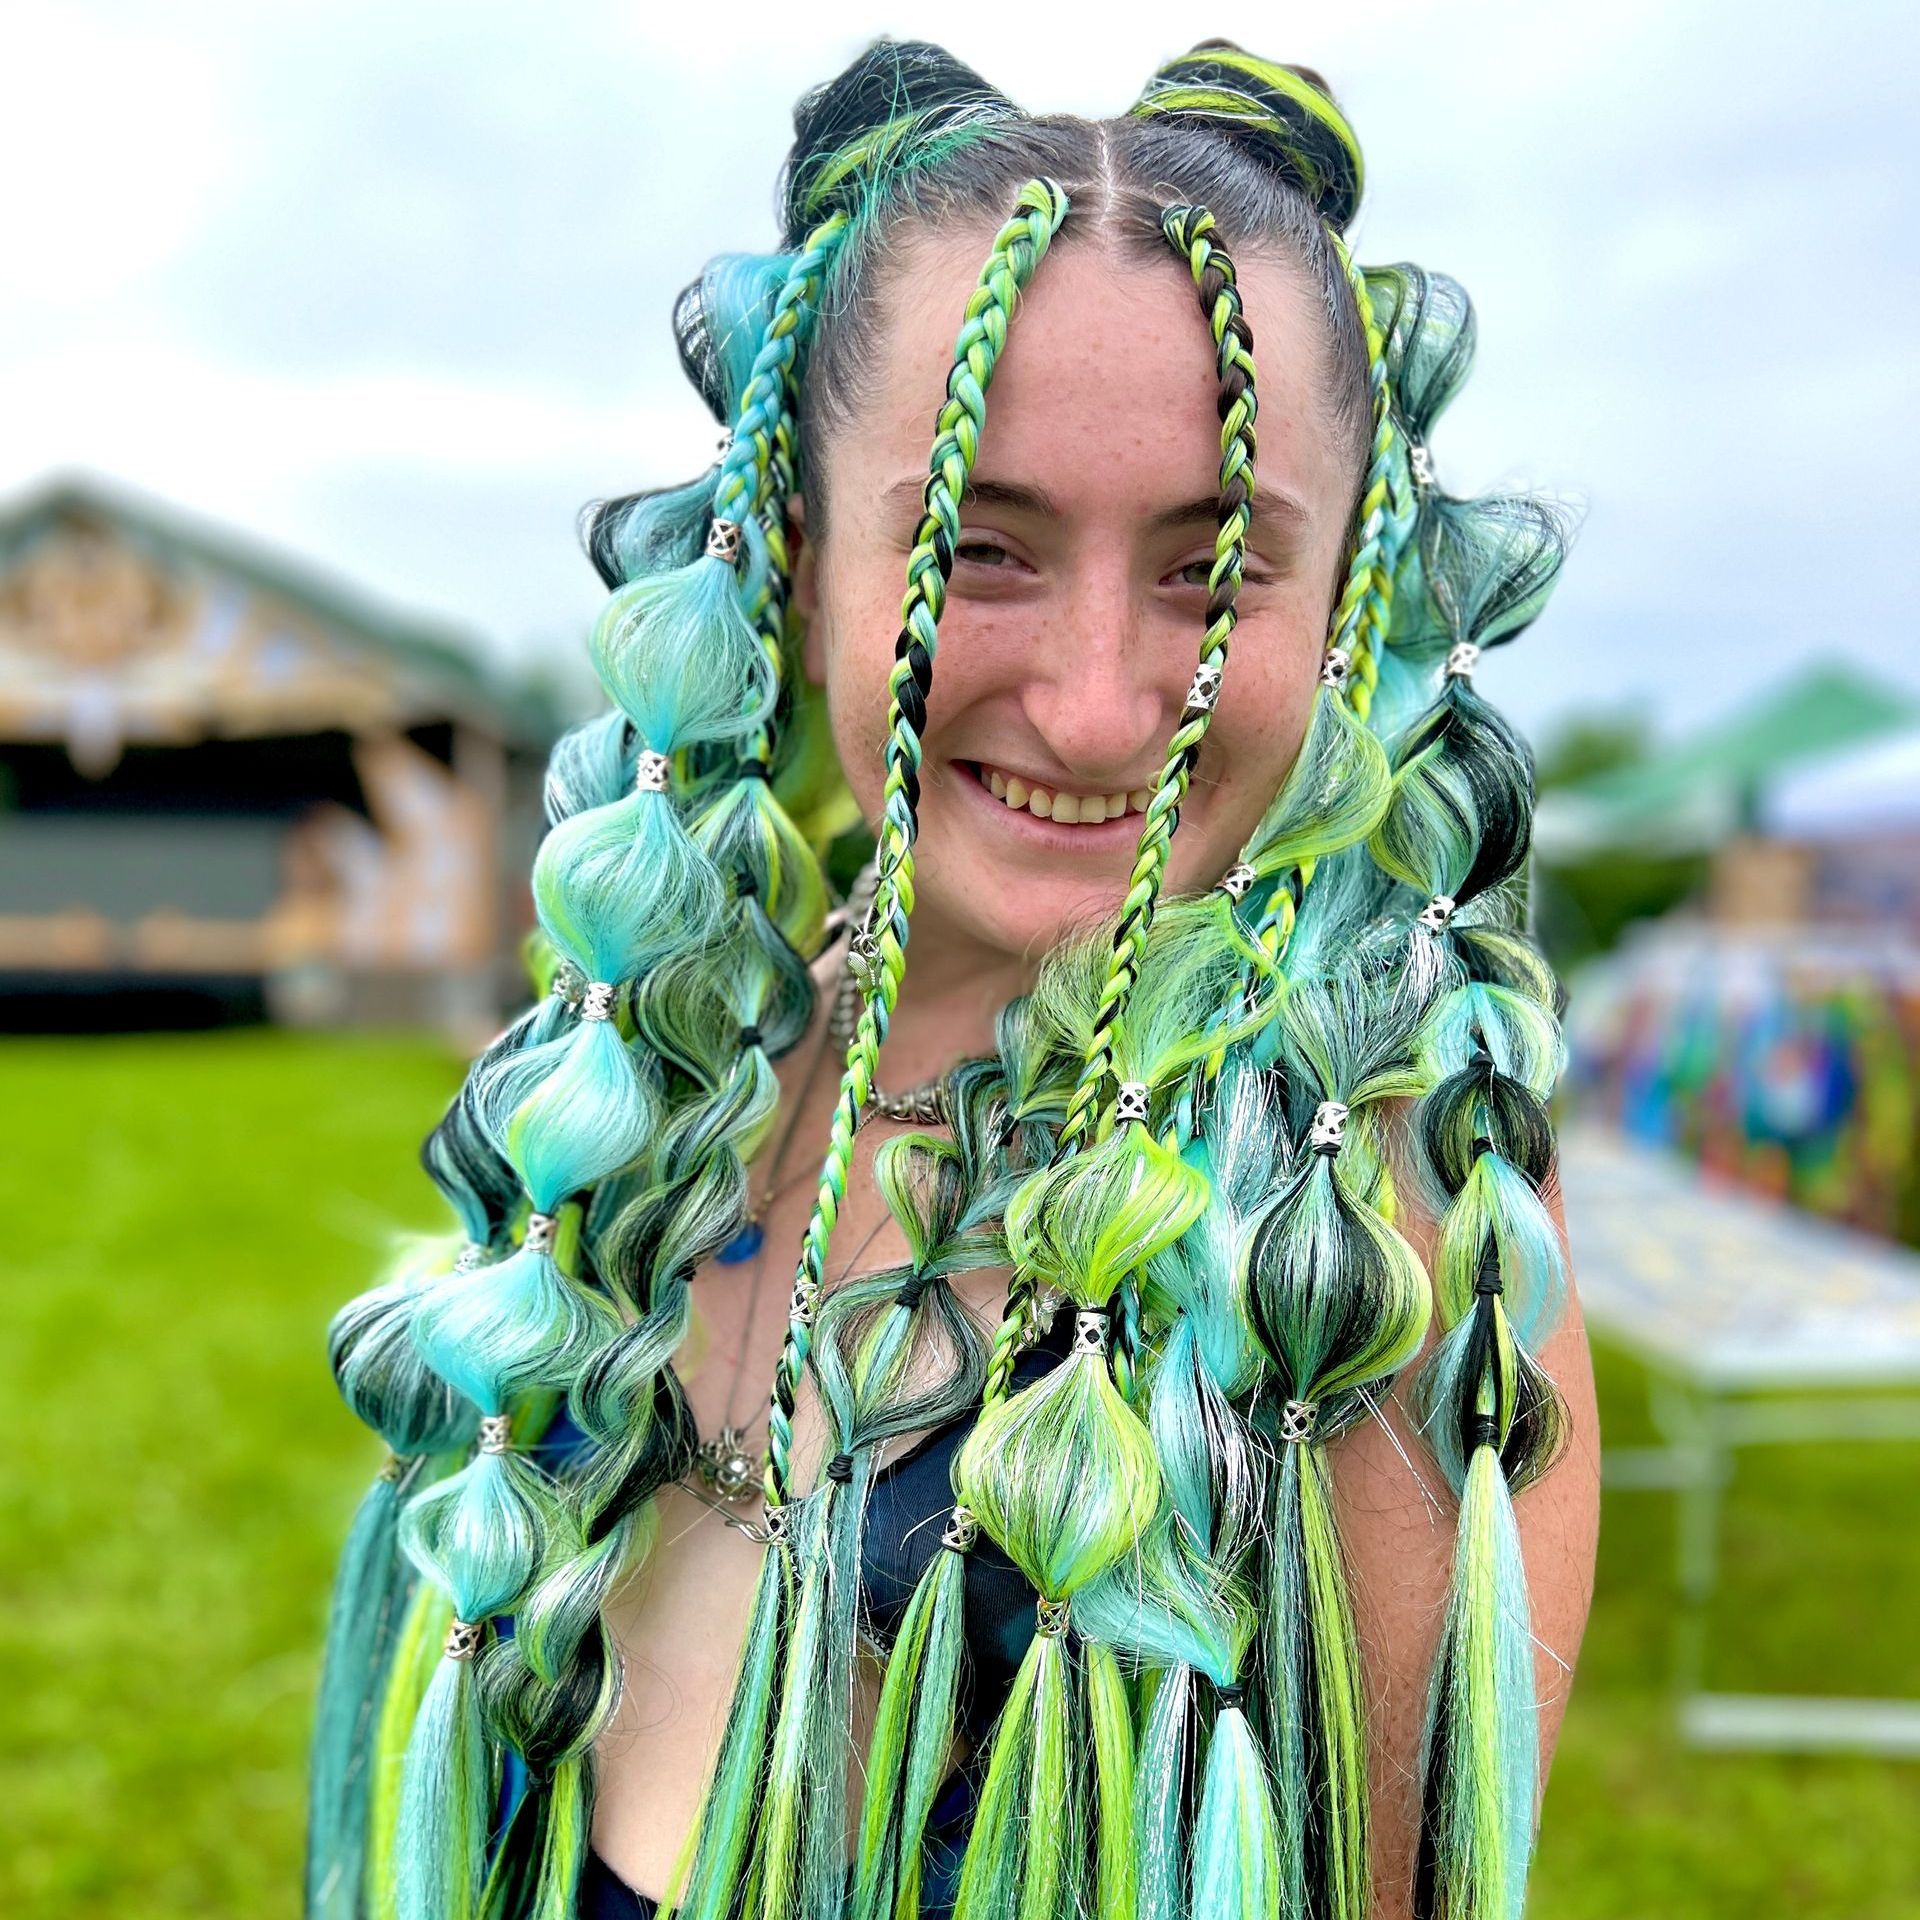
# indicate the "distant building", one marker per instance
pixel 219 774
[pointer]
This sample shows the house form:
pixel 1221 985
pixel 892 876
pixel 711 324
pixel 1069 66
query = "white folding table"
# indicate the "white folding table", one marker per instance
pixel 1758 1325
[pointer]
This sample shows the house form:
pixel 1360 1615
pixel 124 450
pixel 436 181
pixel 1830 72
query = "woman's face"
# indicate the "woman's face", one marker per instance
pixel 1078 598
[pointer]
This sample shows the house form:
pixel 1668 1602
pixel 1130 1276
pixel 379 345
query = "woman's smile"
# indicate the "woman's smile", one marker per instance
pixel 1049 819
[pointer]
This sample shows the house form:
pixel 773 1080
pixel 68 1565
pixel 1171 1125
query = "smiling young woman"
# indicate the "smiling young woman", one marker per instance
pixel 1151 1514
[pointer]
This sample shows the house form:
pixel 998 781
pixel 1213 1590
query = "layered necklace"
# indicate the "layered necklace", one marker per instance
pixel 924 1105
pixel 726 1464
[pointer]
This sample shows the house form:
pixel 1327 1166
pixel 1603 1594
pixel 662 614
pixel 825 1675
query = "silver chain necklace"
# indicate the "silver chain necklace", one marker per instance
pixel 725 1464
pixel 924 1105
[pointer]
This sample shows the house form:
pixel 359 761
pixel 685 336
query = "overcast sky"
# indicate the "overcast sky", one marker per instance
pixel 388 285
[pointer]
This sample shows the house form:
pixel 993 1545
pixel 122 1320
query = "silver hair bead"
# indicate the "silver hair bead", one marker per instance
pixel 1235 882
pixel 1335 668
pixel 1421 462
pixel 918 1106
pixel 569 983
pixel 725 443
pixel 597 1002
pixel 1435 915
pixel 651 772
pixel 1046 1306
pixel 863 959
pixel 1296 1421
pixel 541 1228
pixel 962 1531
pixel 496 1433
pixel 1205 689
pixel 800 1303
pixel 723 541
pixel 463 1639
pixel 772 1531
pixel 472 1255
pixel 393 1469
pixel 1329 1131
pixel 1462 657
pixel 1132 1103
pixel 1091 1328
pixel 1050 1618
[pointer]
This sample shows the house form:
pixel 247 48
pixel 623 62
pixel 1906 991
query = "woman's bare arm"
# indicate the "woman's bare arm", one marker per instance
pixel 1397 1519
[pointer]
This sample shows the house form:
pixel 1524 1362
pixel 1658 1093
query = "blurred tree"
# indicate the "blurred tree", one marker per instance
pixel 1582 907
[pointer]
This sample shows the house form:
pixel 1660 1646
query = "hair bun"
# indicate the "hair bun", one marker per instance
pixel 1285 116
pixel 851 128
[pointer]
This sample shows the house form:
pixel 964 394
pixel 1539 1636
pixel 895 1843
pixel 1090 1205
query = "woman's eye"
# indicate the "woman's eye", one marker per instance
pixel 1199 573
pixel 981 553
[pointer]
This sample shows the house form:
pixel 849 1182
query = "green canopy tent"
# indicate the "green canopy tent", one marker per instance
pixel 1695 794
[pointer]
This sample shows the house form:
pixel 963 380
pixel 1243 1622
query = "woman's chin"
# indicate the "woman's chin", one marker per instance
pixel 1011 910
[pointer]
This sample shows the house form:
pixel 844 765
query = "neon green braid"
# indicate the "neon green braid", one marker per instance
pixel 1187 231
pixel 1017 250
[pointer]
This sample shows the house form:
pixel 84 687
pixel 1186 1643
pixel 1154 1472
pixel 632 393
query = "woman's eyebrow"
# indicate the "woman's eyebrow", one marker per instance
pixel 1274 510
pixel 981 493
pixel 1271 508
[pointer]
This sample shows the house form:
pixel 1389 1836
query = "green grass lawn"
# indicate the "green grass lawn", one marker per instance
pixel 184 1214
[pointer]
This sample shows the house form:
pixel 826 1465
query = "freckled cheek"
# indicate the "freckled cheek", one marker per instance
pixel 981 652
pixel 1259 725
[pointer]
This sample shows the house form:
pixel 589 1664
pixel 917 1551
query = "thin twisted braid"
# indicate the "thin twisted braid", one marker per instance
pixel 1017 249
pixel 1362 616
pixel 1188 232
pixel 763 422
pixel 1359 621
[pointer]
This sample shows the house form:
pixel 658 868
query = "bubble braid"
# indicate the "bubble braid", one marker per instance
pixel 1422 566
pixel 571 1105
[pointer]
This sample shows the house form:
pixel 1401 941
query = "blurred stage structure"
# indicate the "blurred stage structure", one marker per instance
pixel 218 773
pixel 1771 1032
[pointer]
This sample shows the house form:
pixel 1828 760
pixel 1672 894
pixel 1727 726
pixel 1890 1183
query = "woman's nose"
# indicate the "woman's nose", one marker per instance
pixel 1099 691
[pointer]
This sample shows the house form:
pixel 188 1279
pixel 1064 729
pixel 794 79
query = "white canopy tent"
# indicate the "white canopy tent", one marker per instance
pixel 1863 789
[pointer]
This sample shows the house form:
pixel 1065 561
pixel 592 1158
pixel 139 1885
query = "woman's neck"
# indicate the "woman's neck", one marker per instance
pixel 954 988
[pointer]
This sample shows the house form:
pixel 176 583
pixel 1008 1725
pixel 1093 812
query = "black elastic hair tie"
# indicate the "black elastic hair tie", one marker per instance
pixel 913 1290
pixel 752 770
pixel 750 1037
pixel 840 1468
pixel 1233 1694
pixel 1483 1430
pixel 1488 1284
pixel 1482 1147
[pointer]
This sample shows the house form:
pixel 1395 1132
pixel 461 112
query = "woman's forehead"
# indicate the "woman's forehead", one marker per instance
pixel 1107 387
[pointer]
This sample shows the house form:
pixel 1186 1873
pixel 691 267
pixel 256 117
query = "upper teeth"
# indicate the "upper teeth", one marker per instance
pixel 1075 809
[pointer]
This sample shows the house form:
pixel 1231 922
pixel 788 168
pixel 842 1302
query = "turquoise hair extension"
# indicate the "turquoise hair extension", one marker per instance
pixel 916 1719
pixel 745 831
pixel 386 1384
pixel 866 1342
pixel 1236 1848
pixel 554 1685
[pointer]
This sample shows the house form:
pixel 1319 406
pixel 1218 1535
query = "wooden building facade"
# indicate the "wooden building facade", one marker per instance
pixel 219 773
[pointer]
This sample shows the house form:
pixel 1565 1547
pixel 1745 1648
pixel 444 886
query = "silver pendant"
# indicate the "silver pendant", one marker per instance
pixel 727 1467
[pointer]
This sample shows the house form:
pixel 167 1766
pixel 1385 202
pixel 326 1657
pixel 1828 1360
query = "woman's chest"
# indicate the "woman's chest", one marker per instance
pixel 679 1621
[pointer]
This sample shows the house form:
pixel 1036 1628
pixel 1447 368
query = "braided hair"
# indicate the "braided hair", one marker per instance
pixel 1186 1136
